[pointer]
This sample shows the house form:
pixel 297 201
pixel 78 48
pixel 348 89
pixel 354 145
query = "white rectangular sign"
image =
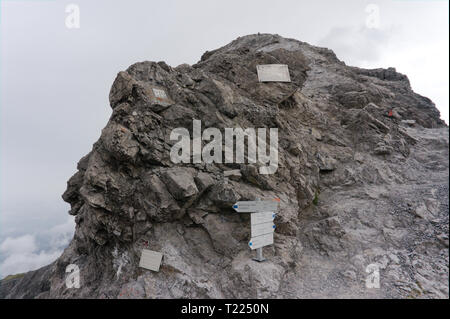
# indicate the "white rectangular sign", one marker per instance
pixel 273 73
pixel 261 218
pixel 261 241
pixel 161 94
pixel 150 259
pixel 256 206
pixel 262 229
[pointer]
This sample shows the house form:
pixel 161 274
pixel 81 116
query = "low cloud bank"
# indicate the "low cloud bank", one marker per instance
pixel 32 251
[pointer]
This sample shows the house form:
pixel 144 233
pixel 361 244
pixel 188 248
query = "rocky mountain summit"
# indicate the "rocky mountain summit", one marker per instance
pixel 362 180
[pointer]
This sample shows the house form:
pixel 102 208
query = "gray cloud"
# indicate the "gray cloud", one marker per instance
pixel 357 45
pixel 32 251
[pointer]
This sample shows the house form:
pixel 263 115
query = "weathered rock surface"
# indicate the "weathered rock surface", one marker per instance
pixel 357 186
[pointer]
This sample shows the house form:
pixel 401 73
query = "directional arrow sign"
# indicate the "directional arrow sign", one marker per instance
pixel 262 229
pixel 256 206
pixel 261 218
pixel 261 241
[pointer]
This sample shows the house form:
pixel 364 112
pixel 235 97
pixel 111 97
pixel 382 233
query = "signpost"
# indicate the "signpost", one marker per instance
pixel 256 206
pixel 262 229
pixel 273 73
pixel 261 218
pixel 261 221
pixel 261 241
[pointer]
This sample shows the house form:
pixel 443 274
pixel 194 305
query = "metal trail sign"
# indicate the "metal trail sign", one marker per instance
pixel 262 229
pixel 150 259
pixel 259 242
pixel 273 73
pixel 261 218
pixel 261 221
pixel 256 206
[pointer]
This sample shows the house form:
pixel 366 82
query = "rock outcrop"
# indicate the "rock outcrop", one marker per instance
pixel 362 179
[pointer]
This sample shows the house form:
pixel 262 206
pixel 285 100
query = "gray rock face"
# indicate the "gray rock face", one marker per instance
pixel 180 183
pixel 357 186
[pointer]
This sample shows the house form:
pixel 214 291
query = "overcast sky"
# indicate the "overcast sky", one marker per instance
pixel 54 81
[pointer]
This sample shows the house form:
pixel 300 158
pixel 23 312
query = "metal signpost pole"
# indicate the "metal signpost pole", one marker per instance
pixel 259 255
pixel 259 251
